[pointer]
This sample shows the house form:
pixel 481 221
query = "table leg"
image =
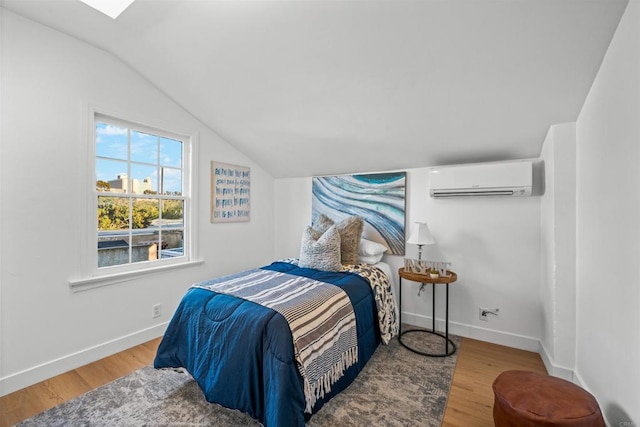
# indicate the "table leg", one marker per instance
pixel 446 322
pixel 400 308
pixel 433 307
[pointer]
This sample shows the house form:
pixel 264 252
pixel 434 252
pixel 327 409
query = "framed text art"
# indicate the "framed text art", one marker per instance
pixel 230 192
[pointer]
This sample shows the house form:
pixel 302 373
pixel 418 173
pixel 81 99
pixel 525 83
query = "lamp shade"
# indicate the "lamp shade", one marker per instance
pixel 420 235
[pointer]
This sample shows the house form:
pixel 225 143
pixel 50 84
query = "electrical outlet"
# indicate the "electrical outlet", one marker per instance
pixel 156 311
pixel 484 313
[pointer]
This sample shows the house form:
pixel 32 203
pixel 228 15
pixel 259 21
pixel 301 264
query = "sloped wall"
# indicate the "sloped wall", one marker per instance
pixel 48 82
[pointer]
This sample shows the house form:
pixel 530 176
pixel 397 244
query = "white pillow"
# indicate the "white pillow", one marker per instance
pixel 370 259
pixel 369 248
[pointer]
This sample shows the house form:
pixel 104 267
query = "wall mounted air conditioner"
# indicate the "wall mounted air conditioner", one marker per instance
pixel 482 179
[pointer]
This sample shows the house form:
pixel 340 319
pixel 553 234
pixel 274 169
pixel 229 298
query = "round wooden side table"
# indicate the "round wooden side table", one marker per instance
pixel 450 346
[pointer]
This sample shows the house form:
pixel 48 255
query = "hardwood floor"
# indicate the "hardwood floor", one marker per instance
pixel 30 401
pixel 470 401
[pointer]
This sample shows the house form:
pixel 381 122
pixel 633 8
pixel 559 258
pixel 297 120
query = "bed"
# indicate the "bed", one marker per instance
pixel 244 355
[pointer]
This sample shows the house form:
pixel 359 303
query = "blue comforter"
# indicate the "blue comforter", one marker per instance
pixel 241 354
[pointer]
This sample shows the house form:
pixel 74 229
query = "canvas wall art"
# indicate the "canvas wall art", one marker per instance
pixel 379 198
pixel 230 192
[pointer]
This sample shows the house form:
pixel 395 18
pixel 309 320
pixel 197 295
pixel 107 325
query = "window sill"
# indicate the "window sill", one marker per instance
pixel 112 279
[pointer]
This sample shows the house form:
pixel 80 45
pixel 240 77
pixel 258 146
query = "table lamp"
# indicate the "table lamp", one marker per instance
pixel 420 235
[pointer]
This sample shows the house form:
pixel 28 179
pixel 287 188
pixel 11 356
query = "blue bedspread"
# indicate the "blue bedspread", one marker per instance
pixel 241 354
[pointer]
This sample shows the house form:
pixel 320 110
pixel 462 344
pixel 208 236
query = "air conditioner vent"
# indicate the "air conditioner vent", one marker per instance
pixel 502 179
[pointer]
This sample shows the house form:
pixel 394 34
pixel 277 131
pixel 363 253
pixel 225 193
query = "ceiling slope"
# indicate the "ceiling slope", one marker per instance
pixel 315 87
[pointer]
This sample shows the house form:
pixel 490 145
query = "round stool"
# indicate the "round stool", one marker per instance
pixel 524 399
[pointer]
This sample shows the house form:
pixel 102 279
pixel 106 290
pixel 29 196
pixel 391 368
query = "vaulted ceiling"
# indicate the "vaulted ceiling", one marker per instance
pixel 314 87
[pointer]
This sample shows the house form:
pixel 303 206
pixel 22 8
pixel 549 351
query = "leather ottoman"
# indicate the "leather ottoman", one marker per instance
pixel 524 399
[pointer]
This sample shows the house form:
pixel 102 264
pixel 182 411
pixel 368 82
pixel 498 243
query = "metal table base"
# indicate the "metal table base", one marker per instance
pixel 450 346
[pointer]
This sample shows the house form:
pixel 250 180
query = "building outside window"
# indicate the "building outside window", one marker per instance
pixel 141 195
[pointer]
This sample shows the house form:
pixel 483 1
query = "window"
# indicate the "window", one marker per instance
pixel 141 197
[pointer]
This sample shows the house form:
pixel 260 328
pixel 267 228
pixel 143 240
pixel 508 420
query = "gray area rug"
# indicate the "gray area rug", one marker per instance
pixel 396 388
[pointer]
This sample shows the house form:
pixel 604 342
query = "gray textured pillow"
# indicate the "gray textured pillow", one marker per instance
pixel 350 230
pixel 322 223
pixel 320 251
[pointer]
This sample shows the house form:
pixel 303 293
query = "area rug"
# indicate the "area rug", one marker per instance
pixel 396 388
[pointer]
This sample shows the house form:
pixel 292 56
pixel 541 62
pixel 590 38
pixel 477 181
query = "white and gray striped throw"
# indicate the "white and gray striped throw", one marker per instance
pixel 320 316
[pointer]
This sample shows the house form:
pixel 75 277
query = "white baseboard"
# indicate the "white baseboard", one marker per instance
pixel 577 379
pixel 553 369
pixel 36 374
pixel 469 331
pixel 497 337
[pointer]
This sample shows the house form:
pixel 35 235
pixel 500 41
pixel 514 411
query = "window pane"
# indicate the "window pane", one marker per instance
pixel 172 212
pixel 111 141
pixel 170 152
pixel 113 213
pixel 172 225
pixel 144 147
pixel 113 231
pixel 145 211
pixel 111 175
pixel 146 233
pixel 112 250
pixel 144 179
pixel 171 181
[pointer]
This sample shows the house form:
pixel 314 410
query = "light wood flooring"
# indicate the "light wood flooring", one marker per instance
pixel 470 401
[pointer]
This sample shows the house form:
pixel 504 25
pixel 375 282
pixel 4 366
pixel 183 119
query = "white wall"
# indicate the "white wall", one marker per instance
pixel 48 82
pixel 558 251
pixel 292 213
pixel 1 188
pixel 493 244
pixel 608 230
pixel 548 250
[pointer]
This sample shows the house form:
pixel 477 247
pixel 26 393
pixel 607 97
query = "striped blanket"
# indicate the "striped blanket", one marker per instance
pixel 320 316
pixel 382 292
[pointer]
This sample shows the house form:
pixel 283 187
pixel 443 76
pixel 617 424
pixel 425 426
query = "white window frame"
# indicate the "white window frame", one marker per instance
pixel 91 275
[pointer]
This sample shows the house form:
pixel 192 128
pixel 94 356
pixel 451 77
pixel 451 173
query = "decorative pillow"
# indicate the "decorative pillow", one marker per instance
pixel 350 230
pixel 322 223
pixel 370 259
pixel 369 248
pixel 320 251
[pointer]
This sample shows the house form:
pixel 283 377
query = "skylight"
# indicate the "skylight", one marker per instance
pixel 111 8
